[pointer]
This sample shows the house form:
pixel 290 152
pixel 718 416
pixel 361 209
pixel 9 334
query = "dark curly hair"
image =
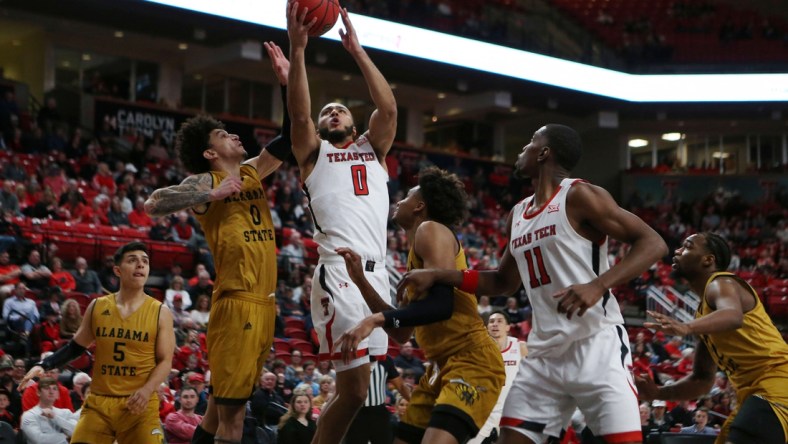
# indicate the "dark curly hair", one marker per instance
pixel 565 144
pixel 718 247
pixel 192 139
pixel 444 195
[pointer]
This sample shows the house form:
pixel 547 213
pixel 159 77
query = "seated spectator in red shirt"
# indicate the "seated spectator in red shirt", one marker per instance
pixel 60 277
pixel 684 366
pixel 9 275
pixel 56 180
pixel 138 217
pixel 198 269
pixel 30 396
pixel 97 213
pixel 48 332
pixel 182 230
pixel 104 178
pixel 180 425
pixel 673 347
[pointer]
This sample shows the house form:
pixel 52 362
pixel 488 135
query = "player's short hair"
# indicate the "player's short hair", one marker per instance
pixel 718 247
pixel 499 312
pixel 565 143
pixel 444 194
pixel 131 246
pixel 193 139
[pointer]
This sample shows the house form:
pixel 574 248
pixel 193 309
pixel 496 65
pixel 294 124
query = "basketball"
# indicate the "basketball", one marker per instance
pixel 325 11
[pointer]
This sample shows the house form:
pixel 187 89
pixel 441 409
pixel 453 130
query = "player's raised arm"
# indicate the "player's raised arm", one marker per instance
pixel 279 148
pixel 194 192
pixel 299 104
pixel 383 122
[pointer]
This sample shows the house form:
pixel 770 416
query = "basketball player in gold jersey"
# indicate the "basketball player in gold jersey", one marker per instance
pixel 134 346
pixel 465 374
pixel 737 336
pixel 230 203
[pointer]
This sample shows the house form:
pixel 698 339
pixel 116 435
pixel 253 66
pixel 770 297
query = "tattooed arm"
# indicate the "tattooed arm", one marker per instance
pixel 194 192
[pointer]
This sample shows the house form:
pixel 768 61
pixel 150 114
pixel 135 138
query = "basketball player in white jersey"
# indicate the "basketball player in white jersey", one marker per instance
pixel 344 176
pixel 512 350
pixel 578 351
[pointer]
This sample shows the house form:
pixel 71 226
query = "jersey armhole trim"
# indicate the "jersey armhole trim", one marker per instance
pixel 207 204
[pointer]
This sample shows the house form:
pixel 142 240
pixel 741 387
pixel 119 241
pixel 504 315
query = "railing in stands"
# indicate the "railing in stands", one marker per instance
pixel 671 302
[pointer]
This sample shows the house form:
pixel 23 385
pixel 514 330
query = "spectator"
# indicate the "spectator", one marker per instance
pixel 408 361
pixel 673 347
pixel 646 422
pixel 293 253
pixel 15 171
pixel 484 306
pixel 45 423
pixel 103 181
pixel 197 380
pixel 179 315
pixel 35 274
pixel 45 207
pixel 295 363
pixel 138 218
pixel 661 422
pixel 49 116
pixel 86 281
pixel 267 404
pixel 176 288
pixel 180 426
pixel 5 402
pixel 161 230
pixel 166 401
pixel 17 374
pixel 204 285
pixel 700 427
pixel 658 353
pixel 325 391
pixel 515 313
pixel 9 275
pixel 48 332
pixel 8 199
pixel 30 397
pixel 182 230
pixel 70 318
pixel 77 393
pixel 19 312
pixel 115 216
pixel 297 425
pixel 61 278
pixel 201 311
pixel 110 282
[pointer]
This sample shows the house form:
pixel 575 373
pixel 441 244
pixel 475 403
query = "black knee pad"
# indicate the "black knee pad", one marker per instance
pixel 408 433
pixel 458 427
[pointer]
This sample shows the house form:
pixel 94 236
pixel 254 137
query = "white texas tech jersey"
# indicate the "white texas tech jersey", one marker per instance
pixel 551 256
pixel 511 363
pixel 349 200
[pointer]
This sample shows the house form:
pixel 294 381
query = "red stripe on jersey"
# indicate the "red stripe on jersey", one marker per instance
pixel 508 346
pixel 510 422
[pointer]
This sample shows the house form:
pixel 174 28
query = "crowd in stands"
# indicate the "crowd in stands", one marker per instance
pixel 53 173
pixel 640 31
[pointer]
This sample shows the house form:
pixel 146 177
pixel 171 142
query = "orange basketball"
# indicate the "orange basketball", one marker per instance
pixel 325 11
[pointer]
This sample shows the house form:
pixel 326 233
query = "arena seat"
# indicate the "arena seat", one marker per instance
pixel 302 345
pixel 284 356
pixel 293 322
pixel 281 346
pixel 296 333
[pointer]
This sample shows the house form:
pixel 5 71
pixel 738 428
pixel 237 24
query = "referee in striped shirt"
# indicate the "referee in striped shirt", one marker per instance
pixel 373 422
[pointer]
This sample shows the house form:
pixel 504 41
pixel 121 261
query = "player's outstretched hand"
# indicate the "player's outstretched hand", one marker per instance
pixel 36 372
pixel 648 390
pixel 413 283
pixel 279 62
pixel 138 401
pixel 579 298
pixel 348 342
pixel 348 35
pixel 297 30
pixel 229 186
pixel 667 324
pixel 353 264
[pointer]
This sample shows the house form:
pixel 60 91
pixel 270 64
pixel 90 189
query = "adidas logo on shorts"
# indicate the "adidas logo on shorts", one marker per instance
pixel 248 326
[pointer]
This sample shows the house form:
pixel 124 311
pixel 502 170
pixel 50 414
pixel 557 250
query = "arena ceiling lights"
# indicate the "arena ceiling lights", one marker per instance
pixel 439 47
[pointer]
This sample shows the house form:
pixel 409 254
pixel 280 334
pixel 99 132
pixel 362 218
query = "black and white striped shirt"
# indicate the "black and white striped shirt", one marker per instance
pixel 380 373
